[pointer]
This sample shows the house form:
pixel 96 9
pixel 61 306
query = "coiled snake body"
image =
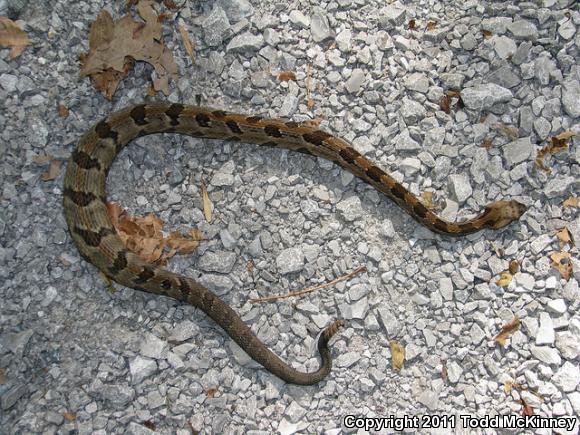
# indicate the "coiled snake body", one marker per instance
pixel 93 232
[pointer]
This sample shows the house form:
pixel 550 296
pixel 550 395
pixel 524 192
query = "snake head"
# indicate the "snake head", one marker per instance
pixel 502 213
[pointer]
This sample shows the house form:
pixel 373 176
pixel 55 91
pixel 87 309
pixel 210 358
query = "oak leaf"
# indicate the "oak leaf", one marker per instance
pixel 507 330
pixel 13 36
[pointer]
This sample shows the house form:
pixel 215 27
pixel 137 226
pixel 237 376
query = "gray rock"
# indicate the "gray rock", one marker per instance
pixel 153 347
pixel 348 359
pixel 567 30
pixel 16 342
pixel 350 208
pixel 299 19
pixel 410 166
pixel 568 345
pixel 557 186
pixel 505 77
pixel 452 80
pixel 545 333
pixel 245 42
pixel 482 97
pixel 518 151
pixel 542 127
pixel 496 25
pixel 571 98
pixel 412 111
pixel 8 82
pixel 290 260
pixel 236 9
pixel 454 372
pixel 294 412
pixel 222 179
pixel 10 396
pixel 540 243
pixel 355 81
pixel 460 187
pixel 504 47
pixel 117 395
pixel 344 40
pixel 141 368
pixel 546 354
pixel 417 82
pixel 468 42
pixel 523 29
pixel 404 142
pixel 320 28
pixel 430 399
pixel 544 67
pixel 567 377
pixel 183 331
pixel 218 261
pixel 446 288
pixel 216 27
pixel 391 16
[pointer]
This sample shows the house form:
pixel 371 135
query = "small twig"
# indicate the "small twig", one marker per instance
pixel 349 275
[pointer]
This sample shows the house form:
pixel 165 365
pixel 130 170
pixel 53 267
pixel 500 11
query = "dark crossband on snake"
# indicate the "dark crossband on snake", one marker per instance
pixel 93 232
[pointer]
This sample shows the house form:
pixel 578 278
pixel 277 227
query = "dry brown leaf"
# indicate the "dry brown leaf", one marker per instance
pixel 13 36
pixel 557 144
pixel 207 205
pixel 314 122
pixel 428 200
pixel 507 131
pixel 63 111
pixel 52 171
pixel 144 236
pixel 187 43
pixel 412 25
pixel 397 354
pixel 286 76
pixel 504 279
pixel 562 262
pixel 564 237
pixel 41 159
pixel 487 144
pixel 150 424
pixel 431 25
pixel 527 410
pixel 508 386
pixel 571 201
pixel 211 392
pixel 487 34
pixel 115 45
pixel 250 267
pixel 507 330
pixel 445 104
pixel 444 372
pixel 514 267
pixel 69 416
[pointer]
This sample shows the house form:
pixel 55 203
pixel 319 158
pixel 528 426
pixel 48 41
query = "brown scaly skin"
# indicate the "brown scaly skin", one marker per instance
pixel 93 232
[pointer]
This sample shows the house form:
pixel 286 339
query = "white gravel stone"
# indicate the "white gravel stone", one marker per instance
pixel 355 81
pixel 141 368
pixel 290 260
pixel 546 354
pixel 567 377
pixel 460 187
pixel 350 208
pixel 518 151
pixel 481 97
pixel 545 333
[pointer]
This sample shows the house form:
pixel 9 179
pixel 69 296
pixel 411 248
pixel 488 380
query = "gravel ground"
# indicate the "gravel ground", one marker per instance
pixel 76 358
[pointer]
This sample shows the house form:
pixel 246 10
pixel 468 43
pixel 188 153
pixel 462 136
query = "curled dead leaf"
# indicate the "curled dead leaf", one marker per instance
pixel 115 45
pixel 564 237
pixel 144 236
pixel 187 42
pixel 571 201
pixel 52 171
pixel 286 76
pixel 557 144
pixel 13 36
pixel 514 267
pixel 207 205
pixel 397 355
pixel 504 279
pixel 561 261
pixel 507 330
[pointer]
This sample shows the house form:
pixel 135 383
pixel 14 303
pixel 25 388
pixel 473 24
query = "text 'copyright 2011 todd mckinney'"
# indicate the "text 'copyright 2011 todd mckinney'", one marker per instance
pixel 443 421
